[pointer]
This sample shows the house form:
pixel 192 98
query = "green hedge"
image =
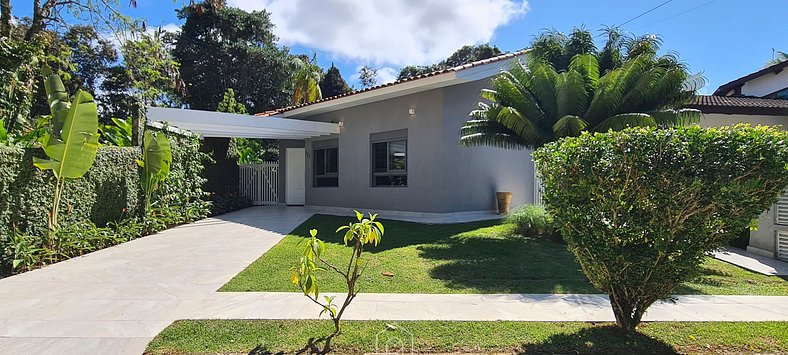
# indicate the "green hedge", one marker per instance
pixel 108 192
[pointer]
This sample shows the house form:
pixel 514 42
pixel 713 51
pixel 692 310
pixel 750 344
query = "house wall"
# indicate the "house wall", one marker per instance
pixel 766 84
pixel 424 153
pixel 476 173
pixel 762 241
pixel 442 176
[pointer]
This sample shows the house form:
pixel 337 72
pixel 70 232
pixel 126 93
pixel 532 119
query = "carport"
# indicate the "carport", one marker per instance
pixel 262 183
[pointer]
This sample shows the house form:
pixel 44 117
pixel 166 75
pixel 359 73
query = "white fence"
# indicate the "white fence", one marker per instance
pixel 260 183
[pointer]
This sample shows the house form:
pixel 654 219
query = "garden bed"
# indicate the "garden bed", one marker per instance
pixel 478 257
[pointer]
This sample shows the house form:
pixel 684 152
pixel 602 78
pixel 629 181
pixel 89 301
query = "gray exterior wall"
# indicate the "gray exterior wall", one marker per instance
pixel 442 176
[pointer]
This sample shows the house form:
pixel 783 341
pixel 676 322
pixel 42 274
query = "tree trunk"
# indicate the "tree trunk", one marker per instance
pixel 5 18
pixel 628 312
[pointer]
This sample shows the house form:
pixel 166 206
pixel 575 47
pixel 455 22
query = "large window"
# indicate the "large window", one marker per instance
pixel 390 158
pixel 326 163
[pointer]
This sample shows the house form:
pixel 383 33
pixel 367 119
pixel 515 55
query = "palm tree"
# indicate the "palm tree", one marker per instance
pixel 306 80
pixel 531 105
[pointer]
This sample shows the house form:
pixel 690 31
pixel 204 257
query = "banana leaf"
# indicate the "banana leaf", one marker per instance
pixel 57 98
pixel 72 152
pixel 156 159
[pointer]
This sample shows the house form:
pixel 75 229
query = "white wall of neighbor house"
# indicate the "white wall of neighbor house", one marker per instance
pixel 443 177
pixel 763 240
pixel 765 84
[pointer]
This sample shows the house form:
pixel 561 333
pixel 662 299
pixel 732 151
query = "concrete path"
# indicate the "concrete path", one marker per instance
pixel 753 262
pixel 114 301
pixel 513 307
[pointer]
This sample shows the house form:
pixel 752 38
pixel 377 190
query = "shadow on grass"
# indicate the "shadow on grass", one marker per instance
pixel 599 340
pixel 507 265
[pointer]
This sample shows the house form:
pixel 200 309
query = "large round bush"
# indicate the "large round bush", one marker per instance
pixel 640 208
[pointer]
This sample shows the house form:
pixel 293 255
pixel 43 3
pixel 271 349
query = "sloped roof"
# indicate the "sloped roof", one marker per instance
pixel 739 105
pixel 401 81
pixel 725 88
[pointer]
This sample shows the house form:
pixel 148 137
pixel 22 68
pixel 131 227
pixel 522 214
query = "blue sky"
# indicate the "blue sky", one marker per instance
pixel 723 38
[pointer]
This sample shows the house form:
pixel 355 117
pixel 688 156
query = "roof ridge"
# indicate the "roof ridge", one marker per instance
pixel 400 81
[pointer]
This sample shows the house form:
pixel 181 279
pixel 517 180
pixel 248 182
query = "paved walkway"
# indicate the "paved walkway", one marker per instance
pixel 116 300
pixel 753 262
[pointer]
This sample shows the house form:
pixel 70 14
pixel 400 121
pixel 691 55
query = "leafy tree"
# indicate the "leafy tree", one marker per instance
pixel 91 56
pixel 116 99
pixel 305 80
pixel 247 150
pixel 642 208
pixel 531 105
pixel 559 49
pixel 368 76
pixel 780 57
pixel 464 55
pixel 230 105
pixel 154 74
pixel 52 13
pixel 333 84
pixel 222 47
pixel 366 231
pixel 18 68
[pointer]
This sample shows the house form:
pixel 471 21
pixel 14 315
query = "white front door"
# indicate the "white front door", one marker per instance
pixel 295 173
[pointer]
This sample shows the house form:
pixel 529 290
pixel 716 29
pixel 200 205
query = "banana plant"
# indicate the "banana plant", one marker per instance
pixel 155 163
pixel 118 133
pixel 71 141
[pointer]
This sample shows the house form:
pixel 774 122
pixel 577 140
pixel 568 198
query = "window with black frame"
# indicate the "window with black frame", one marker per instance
pixel 325 156
pixel 390 159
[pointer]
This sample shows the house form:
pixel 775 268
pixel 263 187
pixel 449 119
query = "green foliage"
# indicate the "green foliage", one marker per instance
pixel 532 221
pixel 464 55
pixel 230 105
pixel 72 139
pixel 305 80
pixel 155 163
pixel 641 208
pixel 118 133
pixel 219 43
pixel 333 84
pixel 530 105
pixel 366 231
pixel 18 72
pixel 154 74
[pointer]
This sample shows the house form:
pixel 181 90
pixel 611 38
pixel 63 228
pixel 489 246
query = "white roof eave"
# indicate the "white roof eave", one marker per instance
pixel 220 124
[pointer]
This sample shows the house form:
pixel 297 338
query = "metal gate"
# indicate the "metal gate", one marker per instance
pixel 260 183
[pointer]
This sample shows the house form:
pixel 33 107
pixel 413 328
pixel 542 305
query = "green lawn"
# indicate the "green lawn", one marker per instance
pixel 289 336
pixel 479 257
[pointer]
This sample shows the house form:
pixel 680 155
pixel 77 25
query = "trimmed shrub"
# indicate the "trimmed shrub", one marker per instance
pixel 641 208
pixel 532 221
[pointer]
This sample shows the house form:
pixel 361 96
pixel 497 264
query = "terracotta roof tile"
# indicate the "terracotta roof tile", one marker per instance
pixel 408 79
pixel 740 105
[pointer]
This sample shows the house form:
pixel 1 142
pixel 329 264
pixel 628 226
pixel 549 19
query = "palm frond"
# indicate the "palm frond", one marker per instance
pixel 624 120
pixel 490 133
pixel 572 94
pixel 569 126
pixel 672 118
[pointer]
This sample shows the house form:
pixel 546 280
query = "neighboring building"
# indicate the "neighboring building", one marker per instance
pixel 758 98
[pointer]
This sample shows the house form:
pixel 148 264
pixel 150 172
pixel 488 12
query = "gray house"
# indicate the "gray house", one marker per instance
pixel 392 148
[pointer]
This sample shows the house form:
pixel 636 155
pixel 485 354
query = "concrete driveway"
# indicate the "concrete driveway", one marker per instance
pixel 114 301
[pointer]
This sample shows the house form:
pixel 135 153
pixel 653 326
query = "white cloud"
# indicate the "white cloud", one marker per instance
pixel 393 32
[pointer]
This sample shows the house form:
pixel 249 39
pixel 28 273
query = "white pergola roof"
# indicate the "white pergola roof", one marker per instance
pixel 220 124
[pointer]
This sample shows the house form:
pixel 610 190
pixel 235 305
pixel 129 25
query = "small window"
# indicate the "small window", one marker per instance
pixel 326 164
pixel 390 159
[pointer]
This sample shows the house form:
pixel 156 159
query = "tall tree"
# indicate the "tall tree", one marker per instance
pixel 91 56
pixel 222 47
pixel 368 76
pixel 464 55
pixel 531 105
pixel 305 80
pixel 333 84
pixel 47 13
